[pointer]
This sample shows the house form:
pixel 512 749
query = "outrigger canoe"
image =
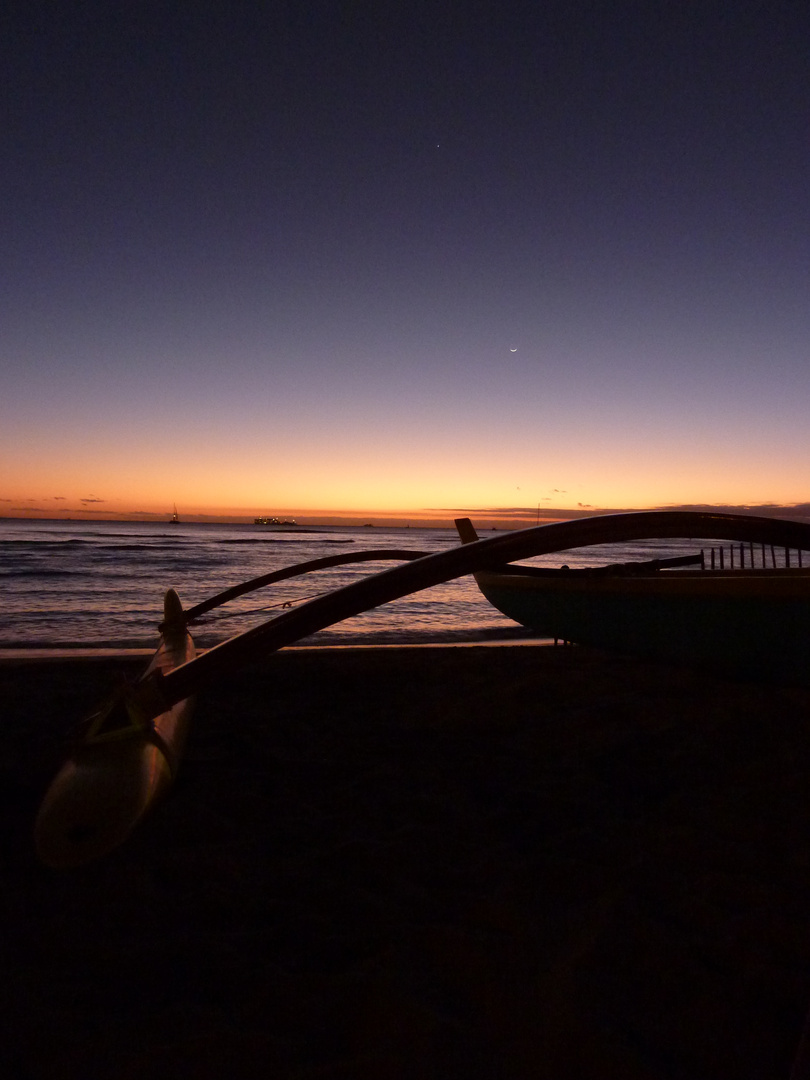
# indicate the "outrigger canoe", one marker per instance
pixel 126 754
pixel 747 618
pixel 122 761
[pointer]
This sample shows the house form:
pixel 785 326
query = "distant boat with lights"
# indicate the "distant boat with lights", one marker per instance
pixel 287 522
pixel 174 519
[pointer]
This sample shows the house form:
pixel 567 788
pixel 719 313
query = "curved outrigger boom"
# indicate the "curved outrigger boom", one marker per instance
pixel 428 570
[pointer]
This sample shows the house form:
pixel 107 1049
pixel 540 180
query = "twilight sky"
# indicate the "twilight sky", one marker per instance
pixel 309 257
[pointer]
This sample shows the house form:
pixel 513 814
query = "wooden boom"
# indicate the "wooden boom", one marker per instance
pixel 344 558
pixel 159 690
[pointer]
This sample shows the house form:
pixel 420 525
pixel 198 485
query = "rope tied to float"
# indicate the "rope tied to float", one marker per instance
pixel 219 616
pixel 127 713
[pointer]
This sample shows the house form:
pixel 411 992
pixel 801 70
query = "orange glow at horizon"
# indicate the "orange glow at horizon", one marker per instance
pixel 316 311
pixel 311 473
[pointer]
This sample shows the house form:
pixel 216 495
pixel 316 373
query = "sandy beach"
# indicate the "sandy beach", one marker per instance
pixel 414 863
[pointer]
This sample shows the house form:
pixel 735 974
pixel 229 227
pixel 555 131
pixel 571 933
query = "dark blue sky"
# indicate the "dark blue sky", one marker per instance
pixel 294 249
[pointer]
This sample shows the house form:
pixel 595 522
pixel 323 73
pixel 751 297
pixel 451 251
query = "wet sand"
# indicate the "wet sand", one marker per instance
pixel 496 862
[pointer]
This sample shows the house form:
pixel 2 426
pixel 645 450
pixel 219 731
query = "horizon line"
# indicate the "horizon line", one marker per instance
pixel 436 517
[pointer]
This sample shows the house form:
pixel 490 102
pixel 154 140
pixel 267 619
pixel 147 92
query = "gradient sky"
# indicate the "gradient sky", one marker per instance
pixel 302 257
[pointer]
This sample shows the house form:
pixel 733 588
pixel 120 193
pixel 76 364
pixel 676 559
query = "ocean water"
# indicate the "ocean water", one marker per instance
pixel 101 584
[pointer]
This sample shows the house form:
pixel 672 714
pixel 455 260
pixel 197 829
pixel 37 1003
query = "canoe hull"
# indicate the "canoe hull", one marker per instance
pixel 755 625
pixel 105 788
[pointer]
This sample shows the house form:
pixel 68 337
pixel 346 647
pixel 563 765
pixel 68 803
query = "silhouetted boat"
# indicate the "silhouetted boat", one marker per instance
pixel 749 620
pixel 174 519
pixel 734 609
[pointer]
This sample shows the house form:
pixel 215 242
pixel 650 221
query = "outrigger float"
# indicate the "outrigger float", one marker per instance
pixel 752 620
pixel 124 756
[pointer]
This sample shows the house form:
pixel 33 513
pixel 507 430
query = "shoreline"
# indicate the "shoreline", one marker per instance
pixel 58 653
pixel 441 861
pixel 518 635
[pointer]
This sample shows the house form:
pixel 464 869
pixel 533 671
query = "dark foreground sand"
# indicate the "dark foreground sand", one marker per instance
pixel 500 862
